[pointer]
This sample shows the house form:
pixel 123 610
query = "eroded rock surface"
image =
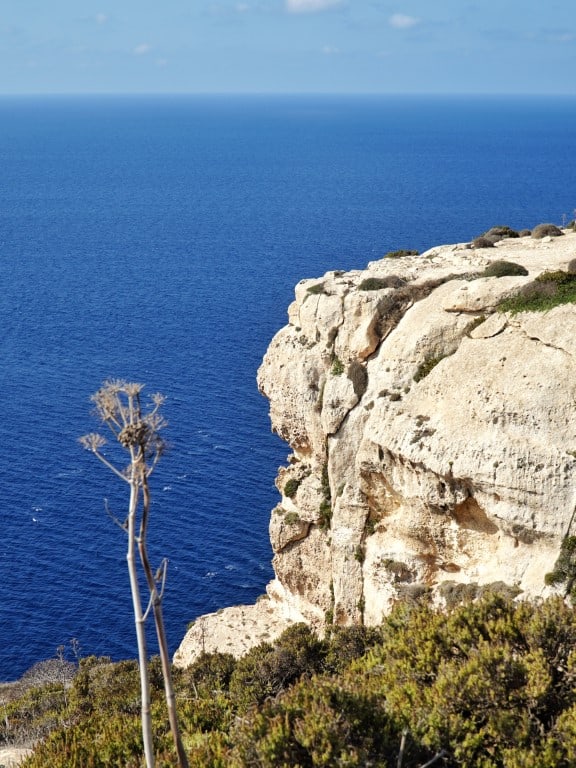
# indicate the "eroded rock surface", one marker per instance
pixel 433 437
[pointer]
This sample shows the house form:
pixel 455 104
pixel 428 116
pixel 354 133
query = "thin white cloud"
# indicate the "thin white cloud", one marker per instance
pixel 401 21
pixel 101 18
pixel 310 6
pixel 565 37
pixel 226 9
pixel 142 49
pixel 330 50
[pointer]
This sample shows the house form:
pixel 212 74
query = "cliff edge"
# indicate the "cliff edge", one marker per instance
pixel 433 439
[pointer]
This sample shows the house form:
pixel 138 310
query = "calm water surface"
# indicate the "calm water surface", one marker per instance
pixel 159 239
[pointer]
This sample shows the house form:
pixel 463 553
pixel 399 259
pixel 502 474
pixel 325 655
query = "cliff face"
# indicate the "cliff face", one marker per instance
pixel 433 438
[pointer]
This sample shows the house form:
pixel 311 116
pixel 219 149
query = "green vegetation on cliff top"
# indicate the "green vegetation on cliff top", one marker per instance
pixel 488 684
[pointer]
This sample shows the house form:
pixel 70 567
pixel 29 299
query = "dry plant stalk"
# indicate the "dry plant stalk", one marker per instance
pixel 119 406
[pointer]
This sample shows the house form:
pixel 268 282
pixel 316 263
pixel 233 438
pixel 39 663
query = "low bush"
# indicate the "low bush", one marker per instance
pixel 345 644
pixel 487 684
pixel 427 366
pixel 400 254
pixel 564 571
pixel 337 368
pixel 483 242
pixel 325 515
pixel 546 230
pixel 524 233
pixel 548 290
pixel 504 269
pixel 268 669
pixel 378 283
pixel 558 276
pixel 501 232
pixel 291 487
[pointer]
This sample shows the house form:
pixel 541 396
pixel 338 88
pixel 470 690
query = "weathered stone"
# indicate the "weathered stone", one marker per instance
pixel 455 461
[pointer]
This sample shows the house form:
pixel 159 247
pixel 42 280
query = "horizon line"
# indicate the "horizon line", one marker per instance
pixel 348 94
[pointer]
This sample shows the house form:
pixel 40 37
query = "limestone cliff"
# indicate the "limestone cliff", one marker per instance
pixel 433 438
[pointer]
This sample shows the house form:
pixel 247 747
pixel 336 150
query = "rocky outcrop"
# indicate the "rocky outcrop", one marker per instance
pixel 433 437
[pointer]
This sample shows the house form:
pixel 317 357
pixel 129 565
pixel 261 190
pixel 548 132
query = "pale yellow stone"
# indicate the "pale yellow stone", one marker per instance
pixel 467 475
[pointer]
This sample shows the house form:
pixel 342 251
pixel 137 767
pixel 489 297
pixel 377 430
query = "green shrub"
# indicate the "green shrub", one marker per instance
pixel 524 233
pixel 558 276
pixel 346 644
pixel 325 515
pixel 548 290
pixel 427 366
pixel 210 672
pixel 378 283
pixel 337 367
pixel 487 684
pixel 319 724
pixel 291 487
pixel 292 518
pixel 268 669
pixel 503 269
pixel 546 230
pixel 564 571
pixel 400 254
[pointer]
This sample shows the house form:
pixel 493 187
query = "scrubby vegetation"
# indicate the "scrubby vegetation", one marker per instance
pixel 502 268
pixel 483 242
pixel 564 571
pixel 399 254
pixel 487 684
pixel 546 230
pixel 548 290
pixel 501 232
pixel 489 238
pixel 378 283
pixel 493 235
pixel 325 509
pixel 337 368
pixel 426 366
pixel 291 487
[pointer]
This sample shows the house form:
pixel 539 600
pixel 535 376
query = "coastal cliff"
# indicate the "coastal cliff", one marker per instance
pixel 433 439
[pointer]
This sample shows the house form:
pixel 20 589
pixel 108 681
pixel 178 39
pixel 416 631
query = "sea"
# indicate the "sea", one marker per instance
pixel 158 239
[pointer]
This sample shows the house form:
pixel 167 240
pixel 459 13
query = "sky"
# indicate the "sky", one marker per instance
pixel 288 46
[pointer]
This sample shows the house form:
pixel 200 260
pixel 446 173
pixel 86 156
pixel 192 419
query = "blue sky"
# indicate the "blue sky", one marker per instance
pixel 331 46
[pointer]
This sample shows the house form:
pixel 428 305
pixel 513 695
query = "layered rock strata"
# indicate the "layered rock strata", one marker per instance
pixel 433 438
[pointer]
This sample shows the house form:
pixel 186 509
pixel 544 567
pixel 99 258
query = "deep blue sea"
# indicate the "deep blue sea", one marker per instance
pixel 159 239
